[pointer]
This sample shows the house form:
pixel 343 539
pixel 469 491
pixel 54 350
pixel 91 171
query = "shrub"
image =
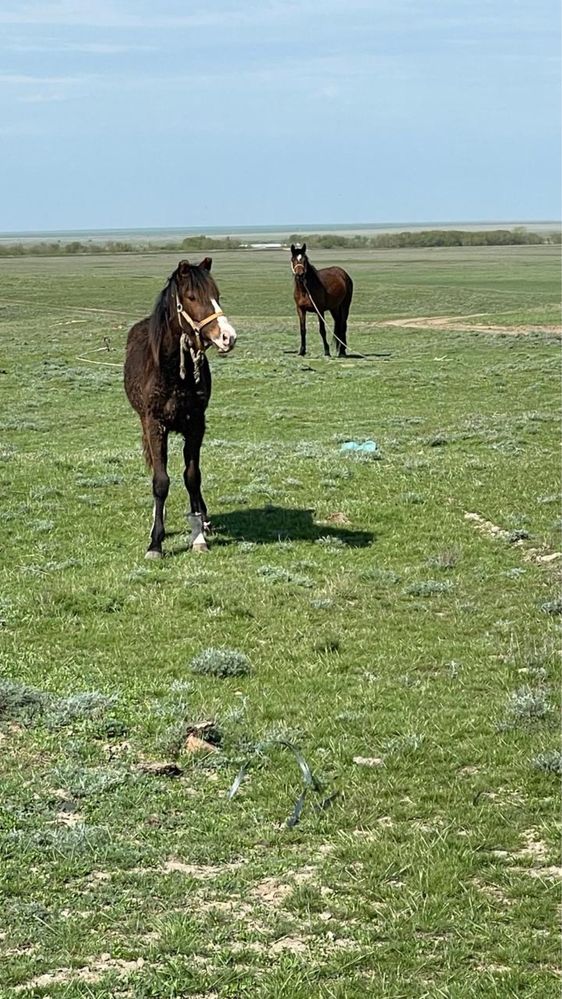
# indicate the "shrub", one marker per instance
pixel 429 587
pixel 220 662
pixel 528 704
pixel 549 761
pixel 552 607
pixel 76 707
pixel 17 700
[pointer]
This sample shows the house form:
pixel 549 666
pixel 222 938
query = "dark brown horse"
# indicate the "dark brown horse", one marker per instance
pixel 327 290
pixel 168 383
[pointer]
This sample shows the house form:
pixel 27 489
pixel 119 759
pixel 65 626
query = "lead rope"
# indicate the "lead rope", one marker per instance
pixel 196 352
pixel 183 350
pixel 196 357
pixel 320 316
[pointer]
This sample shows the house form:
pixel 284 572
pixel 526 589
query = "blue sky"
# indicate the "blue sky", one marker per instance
pixel 134 113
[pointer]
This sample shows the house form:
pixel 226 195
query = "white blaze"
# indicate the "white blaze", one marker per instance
pixel 228 333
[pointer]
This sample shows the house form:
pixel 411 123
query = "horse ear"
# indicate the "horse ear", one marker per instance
pixel 303 248
pixel 183 266
pixel 205 264
pixel 293 249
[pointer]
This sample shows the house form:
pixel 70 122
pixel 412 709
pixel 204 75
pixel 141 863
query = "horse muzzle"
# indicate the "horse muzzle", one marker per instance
pixel 226 342
pixel 226 338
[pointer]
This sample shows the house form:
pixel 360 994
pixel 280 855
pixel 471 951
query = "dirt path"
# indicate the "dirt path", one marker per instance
pixel 459 323
pixel 66 308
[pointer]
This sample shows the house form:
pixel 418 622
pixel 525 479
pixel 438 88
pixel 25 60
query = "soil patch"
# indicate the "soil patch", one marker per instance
pixel 461 324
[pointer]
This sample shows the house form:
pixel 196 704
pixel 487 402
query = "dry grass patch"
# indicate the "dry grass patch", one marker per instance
pixel 492 892
pixel 90 973
pixel 273 891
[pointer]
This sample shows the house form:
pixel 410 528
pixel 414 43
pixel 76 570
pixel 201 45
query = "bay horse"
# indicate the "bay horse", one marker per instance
pixel 168 382
pixel 327 290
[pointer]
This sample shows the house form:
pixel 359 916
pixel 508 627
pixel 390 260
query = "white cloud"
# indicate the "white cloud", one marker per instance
pixel 29 89
pixel 107 14
pixel 124 14
pixel 44 98
pixel 93 48
pixel 19 79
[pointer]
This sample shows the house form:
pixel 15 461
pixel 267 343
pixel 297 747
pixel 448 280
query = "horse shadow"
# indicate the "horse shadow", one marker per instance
pixel 365 357
pixel 271 524
pixel 350 356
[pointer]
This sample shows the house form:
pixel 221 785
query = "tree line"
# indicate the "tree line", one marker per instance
pixel 518 236
pixel 430 237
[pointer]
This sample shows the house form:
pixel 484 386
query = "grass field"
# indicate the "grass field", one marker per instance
pixel 410 652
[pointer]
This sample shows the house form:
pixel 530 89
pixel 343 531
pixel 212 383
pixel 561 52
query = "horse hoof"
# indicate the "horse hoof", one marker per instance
pixel 198 542
pixel 153 553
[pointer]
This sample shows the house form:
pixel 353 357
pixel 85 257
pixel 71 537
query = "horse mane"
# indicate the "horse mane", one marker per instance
pixel 311 269
pixel 195 280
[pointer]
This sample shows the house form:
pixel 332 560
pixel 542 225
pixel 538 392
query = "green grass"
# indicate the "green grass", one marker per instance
pixel 377 621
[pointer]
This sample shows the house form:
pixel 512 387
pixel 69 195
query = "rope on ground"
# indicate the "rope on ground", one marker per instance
pixel 95 350
pixel 309 780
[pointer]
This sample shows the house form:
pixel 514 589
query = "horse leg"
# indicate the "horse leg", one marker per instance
pixel 341 321
pixel 198 518
pixel 302 321
pixel 157 440
pixel 340 330
pixel 322 328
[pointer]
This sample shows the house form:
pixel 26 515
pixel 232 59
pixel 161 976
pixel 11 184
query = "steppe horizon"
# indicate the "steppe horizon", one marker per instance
pixel 272 229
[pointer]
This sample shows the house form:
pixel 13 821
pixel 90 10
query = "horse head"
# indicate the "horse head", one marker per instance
pixel 299 260
pixel 196 303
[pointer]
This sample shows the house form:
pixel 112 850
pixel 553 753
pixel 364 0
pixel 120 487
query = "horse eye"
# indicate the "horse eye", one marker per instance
pixel 191 298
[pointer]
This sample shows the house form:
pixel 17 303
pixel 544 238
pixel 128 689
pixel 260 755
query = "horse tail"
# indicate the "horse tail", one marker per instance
pixel 340 317
pixel 348 293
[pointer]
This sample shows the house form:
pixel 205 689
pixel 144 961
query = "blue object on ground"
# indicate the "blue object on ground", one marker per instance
pixel 366 447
